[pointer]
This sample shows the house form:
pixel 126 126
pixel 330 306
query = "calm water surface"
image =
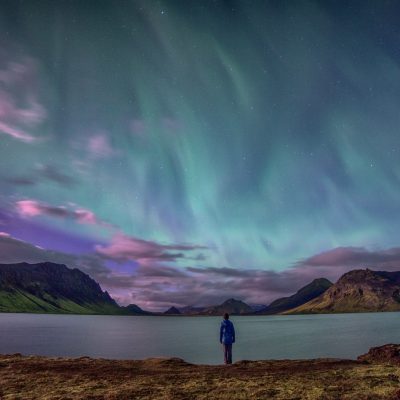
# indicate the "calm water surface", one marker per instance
pixel 196 339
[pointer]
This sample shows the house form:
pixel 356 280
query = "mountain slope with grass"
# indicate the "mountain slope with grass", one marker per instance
pixel 52 288
pixel 302 296
pixel 360 290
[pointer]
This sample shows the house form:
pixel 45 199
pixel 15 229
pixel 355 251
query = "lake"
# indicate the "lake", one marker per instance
pixel 196 339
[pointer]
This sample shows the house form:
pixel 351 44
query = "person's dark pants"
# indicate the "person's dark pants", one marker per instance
pixel 227 353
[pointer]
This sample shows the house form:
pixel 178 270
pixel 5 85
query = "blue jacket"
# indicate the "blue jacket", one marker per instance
pixel 227 332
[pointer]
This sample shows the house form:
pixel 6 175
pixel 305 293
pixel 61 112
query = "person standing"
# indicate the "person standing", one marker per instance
pixel 227 338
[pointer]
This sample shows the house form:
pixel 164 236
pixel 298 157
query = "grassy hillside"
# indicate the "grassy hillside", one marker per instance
pixel 305 294
pixel 22 301
pixel 357 291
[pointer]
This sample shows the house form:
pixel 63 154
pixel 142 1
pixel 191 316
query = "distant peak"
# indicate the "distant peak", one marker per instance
pixel 172 310
pixel 319 281
pixel 358 273
pixel 232 300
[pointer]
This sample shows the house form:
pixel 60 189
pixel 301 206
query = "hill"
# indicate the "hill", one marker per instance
pixel 172 311
pixel 230 306
pixel 53 288
pixel 357 291
pixel 133 309
pixel 302 296
pixel 191 310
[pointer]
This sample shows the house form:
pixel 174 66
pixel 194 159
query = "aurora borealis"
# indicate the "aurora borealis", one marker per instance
pixel 184 152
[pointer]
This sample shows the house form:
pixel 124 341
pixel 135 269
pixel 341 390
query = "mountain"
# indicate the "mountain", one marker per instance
pixel 302 296
pixel 230 306
pixel 52 288
pixel 357 291
pixel 257 307
pixel 191 310
pixel 172 311
pixel 133 309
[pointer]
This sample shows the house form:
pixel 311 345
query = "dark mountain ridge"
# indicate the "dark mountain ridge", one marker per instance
pixel 51 287
pixel 172 311
pixel 55 279
pixel 302 296
pixel 230 306
pixel 134 309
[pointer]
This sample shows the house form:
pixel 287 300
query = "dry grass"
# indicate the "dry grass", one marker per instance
pixel 85 378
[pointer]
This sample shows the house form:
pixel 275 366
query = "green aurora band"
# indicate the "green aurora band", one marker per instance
pixel 267 131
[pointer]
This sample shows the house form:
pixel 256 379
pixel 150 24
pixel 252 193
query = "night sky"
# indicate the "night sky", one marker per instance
pixel 183 152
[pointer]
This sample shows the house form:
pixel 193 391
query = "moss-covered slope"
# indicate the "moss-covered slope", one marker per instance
pixel 53 288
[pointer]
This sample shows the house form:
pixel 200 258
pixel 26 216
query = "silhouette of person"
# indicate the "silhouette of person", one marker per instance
pixel 227 338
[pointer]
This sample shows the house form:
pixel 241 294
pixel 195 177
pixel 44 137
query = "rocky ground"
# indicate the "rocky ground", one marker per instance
pixel 374 376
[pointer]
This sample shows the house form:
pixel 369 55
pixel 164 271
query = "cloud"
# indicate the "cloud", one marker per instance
pixel 20 180
pixel 7 129
pixel 158 287
pixel 90 150
pixel 224 271
pixel 157 271
pixel 85 217
pixel 138 127
pixel 153 284
pixel 198 286
pixel 171 125
pixel 350 256
pixel 42 173
pixel 99 146
pixel 33 208
pixel 128 248
pixel 13 250
pixel 335 262
pixel 52 173
pixel 18 85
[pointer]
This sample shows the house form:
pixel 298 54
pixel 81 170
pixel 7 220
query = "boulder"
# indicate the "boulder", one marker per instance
pixel 387 354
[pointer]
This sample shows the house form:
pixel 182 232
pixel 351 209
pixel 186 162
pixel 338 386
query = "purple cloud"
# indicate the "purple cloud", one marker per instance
pixel 127 248
pixel 148 281
pixel 20 180
pixel 53 173
pixel 207 286
pixel 99 146
pixel 350 256
pixel 42 173
pixel 333 263
pixel 150 286
pixel 138 127
pixel 13 250
pixel 33 208
pixel 18 81
pixel 171 125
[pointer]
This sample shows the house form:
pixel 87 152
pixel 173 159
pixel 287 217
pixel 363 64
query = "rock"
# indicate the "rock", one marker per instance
pixel 387 354
pixel 397 395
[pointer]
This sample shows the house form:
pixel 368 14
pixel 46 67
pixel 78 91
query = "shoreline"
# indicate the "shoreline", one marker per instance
pixel 376 376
